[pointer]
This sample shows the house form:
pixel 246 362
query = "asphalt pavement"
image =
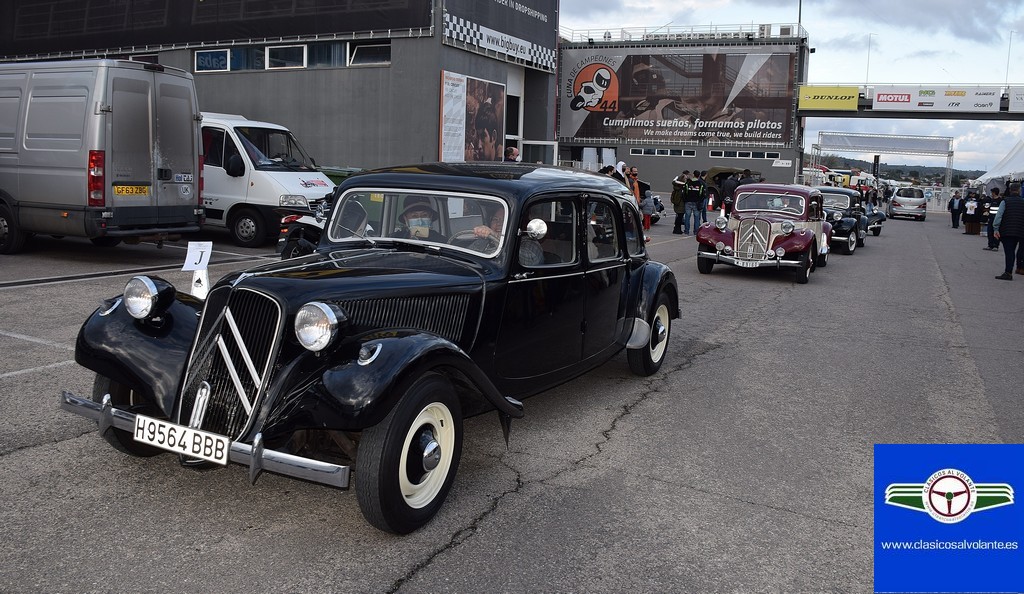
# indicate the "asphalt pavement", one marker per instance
pixel 745 464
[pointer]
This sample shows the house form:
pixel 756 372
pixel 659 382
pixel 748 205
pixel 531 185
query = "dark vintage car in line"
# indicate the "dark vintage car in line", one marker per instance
pixel 482 284
pixel 771 226
pixel 851 223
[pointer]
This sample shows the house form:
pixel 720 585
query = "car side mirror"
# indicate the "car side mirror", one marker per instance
pixel 235 166
pixel 536 229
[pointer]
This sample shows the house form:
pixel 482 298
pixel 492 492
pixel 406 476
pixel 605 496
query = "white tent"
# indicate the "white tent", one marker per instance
pixel 1009 167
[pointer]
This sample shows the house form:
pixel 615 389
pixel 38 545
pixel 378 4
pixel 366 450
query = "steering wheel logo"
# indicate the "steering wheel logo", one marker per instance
pixel 949 496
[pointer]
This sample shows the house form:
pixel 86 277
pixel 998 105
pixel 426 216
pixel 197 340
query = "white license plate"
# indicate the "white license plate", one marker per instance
pixel 747 263
pixel 193 443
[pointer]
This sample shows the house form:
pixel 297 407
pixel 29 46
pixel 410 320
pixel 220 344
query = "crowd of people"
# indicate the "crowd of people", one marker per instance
pixel 1002 217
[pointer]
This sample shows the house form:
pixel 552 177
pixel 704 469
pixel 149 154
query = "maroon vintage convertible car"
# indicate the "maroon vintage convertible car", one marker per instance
pixel 771 225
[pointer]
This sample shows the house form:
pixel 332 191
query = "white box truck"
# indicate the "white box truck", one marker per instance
pixel 252 168
pixel 104 149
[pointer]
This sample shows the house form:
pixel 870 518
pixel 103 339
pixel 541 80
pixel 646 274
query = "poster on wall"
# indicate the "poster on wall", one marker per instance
pixel 472 119
pixel 674 94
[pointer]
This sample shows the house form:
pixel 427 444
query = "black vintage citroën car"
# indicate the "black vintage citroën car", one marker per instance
pixel 437 291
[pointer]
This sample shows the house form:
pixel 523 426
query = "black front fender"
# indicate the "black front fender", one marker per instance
pixel 354 393
pixel 147 355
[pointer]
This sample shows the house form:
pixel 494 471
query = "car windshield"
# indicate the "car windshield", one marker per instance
pixel 835 200
pixel 273 150
pixel 474 224
pixel 910 193
pixel 773 201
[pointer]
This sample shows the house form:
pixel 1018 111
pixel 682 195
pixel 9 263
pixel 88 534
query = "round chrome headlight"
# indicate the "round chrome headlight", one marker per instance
pixel 721 223
pixel 780 252
pixel 316 324
pixel 787 227
pixel 140 297
pixel 719 246
pixel 837 215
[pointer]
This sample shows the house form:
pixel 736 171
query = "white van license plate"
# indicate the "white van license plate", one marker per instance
pixel 131 190
pixel 193 443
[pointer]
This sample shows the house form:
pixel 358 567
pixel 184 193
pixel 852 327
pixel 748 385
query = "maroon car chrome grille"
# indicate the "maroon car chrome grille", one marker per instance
pixel 237 342
pixel 752 239
pixel 444 315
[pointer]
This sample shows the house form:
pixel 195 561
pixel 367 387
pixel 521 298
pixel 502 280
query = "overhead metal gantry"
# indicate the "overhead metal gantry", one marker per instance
pixel 890 144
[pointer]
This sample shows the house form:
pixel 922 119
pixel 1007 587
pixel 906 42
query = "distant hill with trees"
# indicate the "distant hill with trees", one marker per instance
pixel 915 173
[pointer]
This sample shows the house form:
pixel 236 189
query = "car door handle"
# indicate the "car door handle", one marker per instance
pixel 522 275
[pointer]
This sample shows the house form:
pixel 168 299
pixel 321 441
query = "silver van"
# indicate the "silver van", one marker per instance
pixel 104 149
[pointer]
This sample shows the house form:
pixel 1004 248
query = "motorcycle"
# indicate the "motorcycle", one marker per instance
pixel 658 209
pixel 301 228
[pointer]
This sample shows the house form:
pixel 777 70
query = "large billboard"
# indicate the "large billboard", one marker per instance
pixel 49 26
pixel 523 29
pixel 472 119
pixel 728 95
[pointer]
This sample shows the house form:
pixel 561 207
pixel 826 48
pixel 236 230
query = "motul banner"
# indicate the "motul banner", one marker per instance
pixel 919 98
pixel 828 98
pixel 732 95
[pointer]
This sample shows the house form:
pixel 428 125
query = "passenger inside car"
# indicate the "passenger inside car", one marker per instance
pixel 419 220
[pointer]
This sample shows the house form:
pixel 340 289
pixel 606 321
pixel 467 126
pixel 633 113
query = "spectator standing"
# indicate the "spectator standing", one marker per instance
pixel 647 208
pixel 990 230
pixel 972 215
pixel 1009 224
pixel 692 199
pixel 511 154
pixel 706 196
pixel 955 208
pixel 746 179
pixel 678 206
pixel 619 172
pixel 729 185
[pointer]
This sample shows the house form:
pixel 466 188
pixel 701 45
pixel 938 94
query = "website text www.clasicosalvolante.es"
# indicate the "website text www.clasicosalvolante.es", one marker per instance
pixel 949 545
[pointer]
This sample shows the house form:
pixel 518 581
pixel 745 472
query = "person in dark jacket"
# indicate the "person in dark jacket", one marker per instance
pixel 990 230
pixel 955 208
pixel 1009 225
pixel 728 194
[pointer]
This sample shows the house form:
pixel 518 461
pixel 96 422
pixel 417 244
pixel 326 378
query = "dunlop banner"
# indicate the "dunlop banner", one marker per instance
pixel 828 98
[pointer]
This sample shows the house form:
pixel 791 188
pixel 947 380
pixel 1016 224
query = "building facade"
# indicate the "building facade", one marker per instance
pixel 362 84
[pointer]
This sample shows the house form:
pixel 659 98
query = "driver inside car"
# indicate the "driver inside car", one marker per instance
pixel 418 219
pixel 786 203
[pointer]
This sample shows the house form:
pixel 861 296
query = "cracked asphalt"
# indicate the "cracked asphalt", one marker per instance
pixel 744 465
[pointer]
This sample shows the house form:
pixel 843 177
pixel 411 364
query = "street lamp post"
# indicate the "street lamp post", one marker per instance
pixel 867 69
pixel 1008 47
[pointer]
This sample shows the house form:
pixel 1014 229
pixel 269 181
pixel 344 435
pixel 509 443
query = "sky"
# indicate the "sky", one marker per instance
pixel 912 42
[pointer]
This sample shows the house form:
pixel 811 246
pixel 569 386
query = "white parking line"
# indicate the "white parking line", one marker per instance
pixel 34 369
pixel 58 345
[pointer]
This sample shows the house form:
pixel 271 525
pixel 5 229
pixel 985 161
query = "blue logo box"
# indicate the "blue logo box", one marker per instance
pixel 946 518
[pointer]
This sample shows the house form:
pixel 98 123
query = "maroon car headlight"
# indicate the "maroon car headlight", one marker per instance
pixel 787 227
pixel 721 223
pixel 316 324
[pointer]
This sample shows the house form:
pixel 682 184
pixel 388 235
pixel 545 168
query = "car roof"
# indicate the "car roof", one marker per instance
pixel 837 190
pixel 794 189
pixel 514 181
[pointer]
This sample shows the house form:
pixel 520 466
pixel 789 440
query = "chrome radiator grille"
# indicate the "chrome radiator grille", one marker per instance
pixel 444 315
pixel 237 343
pixel 752 239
